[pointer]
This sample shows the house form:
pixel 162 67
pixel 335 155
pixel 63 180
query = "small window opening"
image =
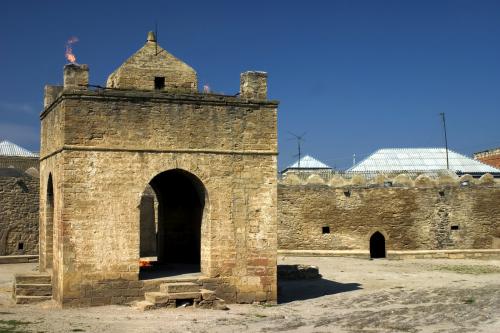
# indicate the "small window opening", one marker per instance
pixel 347 193
pixel 441 193
pixel 388 183
pixel 454 227
pixel 159 82
pixel 465 183
pixel 20 246
pixel 326 230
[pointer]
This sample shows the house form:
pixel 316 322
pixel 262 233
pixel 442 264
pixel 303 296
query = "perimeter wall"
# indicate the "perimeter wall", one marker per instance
pixel 421 214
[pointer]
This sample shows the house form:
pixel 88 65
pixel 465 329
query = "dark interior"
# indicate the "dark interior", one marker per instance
pixel 377 245
pixel 181 201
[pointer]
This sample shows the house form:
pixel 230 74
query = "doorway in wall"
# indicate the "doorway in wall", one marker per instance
pixel 171 217
pixel 377 246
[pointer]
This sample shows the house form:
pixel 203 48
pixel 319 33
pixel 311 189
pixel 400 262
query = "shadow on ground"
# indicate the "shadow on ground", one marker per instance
pixel 298 290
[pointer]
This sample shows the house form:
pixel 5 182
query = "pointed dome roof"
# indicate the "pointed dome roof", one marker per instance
pixel 420 160
pixel 8 148
pixel 152 67
pixel 308 162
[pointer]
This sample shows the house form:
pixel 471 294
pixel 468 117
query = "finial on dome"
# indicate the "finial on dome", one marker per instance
pixel 151 37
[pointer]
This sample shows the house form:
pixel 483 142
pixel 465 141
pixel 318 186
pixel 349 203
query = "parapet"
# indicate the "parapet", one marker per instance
pixel 76 76
pixel 383 180
pixel 50 94
pixel 253 85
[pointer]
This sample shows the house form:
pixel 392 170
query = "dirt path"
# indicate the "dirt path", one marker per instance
pixel 354 295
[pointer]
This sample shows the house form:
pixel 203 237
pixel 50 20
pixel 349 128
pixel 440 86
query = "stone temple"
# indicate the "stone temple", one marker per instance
pixel 149 166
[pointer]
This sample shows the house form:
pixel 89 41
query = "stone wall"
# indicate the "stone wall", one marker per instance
pixel 19 162
pixel 19 215
pixel 102 148
pixel 412 214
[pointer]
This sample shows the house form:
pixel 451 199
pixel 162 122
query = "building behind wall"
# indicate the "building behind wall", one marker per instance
pixel 17 157
pixel 210 159
pixel 490 157
pixel 19 196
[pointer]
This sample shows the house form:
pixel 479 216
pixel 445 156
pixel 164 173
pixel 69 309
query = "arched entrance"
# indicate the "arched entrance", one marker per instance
pixel 49 224
pixel 377 245
pixel 172 219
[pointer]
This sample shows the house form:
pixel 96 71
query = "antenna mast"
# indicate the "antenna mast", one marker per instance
pixel 156 36
pixel 445 140
pixel 299 139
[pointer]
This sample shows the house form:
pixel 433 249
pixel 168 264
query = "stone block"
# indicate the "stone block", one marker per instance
pixel 156 297
pixel 207 295
pixel 179 287
pixel 185 295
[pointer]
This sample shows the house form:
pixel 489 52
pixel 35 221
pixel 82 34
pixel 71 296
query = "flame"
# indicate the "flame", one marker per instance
pixel 69 49
pixel 144 263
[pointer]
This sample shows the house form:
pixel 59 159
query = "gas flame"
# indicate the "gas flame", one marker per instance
pixel 69 49
pixel 144 263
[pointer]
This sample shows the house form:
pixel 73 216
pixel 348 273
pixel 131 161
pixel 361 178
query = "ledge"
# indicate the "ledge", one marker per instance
pixel 18 259
pixel 408 254
pixel 158 97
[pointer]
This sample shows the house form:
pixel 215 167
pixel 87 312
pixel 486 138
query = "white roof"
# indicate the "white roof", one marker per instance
pixel 308 162
pixel 419 159
pixel 8 148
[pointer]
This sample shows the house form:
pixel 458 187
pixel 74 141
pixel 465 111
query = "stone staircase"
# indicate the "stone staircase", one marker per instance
pixel 179 294
pixel 32 288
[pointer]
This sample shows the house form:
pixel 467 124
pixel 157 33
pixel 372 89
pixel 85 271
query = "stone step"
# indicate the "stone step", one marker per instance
pixel 179 287
pixel 32 299
pixel 195 296
pixel 33 289
pixel 207 295
pixel 156 297
pixel 33 279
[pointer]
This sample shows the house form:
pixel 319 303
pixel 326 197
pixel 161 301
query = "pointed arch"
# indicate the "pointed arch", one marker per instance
pixel 377 245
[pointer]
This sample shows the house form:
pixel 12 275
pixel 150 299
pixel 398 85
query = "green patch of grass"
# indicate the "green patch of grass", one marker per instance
pixel 469 300
pixel 13 326
pixel 260 315
pixel 469 269
pixel 267 305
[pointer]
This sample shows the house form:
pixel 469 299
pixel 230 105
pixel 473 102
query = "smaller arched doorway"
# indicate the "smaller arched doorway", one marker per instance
pixel 377 246
pixel 49 224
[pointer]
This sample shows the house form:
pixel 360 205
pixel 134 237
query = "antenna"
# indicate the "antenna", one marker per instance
pixel 156 36
pixel 300 139
pixel 445 140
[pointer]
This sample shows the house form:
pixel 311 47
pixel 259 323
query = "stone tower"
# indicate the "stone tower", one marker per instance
pixel 209 161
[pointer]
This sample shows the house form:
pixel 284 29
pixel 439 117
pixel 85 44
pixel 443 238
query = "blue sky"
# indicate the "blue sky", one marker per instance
pixel 355 75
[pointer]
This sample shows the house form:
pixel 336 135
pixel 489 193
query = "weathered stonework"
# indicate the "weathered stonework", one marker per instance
pixel 100 150
pixel 19 162
pixel 19 197
pixel 424 216
pixel 150 62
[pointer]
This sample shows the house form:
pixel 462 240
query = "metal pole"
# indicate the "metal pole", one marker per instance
pixel 445 140
pixel 298 142
pixel 156 37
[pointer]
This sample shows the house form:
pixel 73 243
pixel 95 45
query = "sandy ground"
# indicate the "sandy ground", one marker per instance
pixel 354 295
